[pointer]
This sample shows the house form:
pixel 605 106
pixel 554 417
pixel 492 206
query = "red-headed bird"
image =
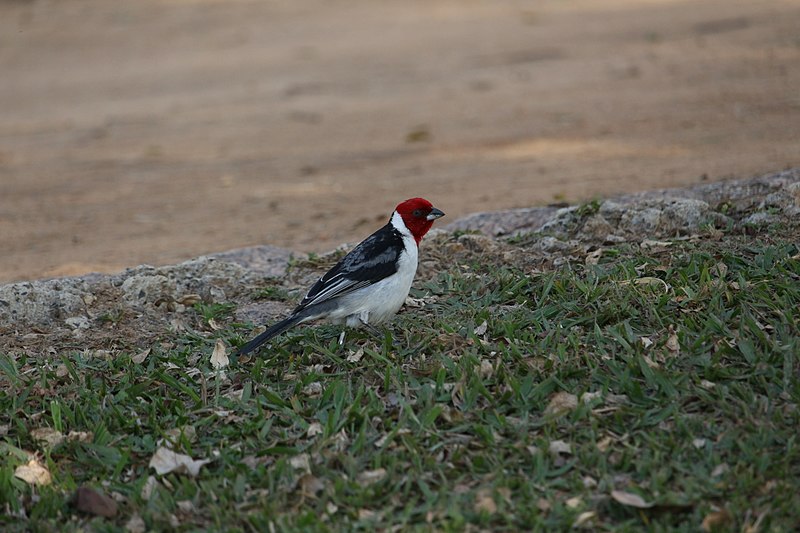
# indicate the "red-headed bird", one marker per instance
pixel 370 284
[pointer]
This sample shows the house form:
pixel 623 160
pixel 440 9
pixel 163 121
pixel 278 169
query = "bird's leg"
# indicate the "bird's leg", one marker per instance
pixel 378 334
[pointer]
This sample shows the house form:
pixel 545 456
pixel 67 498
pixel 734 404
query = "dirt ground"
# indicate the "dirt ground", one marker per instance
pixel 154 131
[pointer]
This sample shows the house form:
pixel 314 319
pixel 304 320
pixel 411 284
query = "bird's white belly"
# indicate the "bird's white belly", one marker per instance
pixel 380 301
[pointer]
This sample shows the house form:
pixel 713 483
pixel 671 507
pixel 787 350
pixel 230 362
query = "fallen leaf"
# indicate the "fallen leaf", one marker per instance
pixel 574 503
pixel 87 500
pixel 559 446
pixel 189 299
pixel 369 477
pixel 311 485
pixel 214 325
pixel 584 519
pixel 592 258
pixel 140 357
pixel 366 514
pixel 649 362
pixel 313 389
pixel 219 357
pixel 589 482
pixel 165 461
pixel 148 488
pixel 589 397
pixel 484 502
pixel 716 520
pixel 135 524
pixel 561 403
pixel 603 443
pixel 630 499
pixel 673 345
pixel 188 432
pixel 49 436
pixel 356 356
pixel 185 506
pixel 543 505
pixel 649 281
pixel 62 371
pixel 486 369
pixel 720 469
pixel 315 428
pixel 699 443
pixel 646 342
pixel 480 330
pixel 301 462
pixel 33 473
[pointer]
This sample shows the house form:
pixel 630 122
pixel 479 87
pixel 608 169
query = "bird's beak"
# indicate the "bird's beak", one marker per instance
pixel 434 214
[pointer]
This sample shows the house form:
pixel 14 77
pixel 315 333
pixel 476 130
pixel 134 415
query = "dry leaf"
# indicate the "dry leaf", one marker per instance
pixel 592 258
pixel 543 505
pixel 649 362
pixel 484 502
pixel 189 299
pixel 80 436
pixel 356 356
pixel 630 499
pixel 716 520
pixel 33 473
pixel 214 325
pixel 185 506
pixel 369 477
pixel 673 345
pixel 646 342
pixel 90 501
pixel 699 443
pixel 603 443
pixel 140 357
pixel 650 281
pixel 366 514
pixel 720 469
pixel 559 446
pixel 315 428
pixel 589 397
pixel 313 389
pixel 561 403
pixel 219 357
pixel 188 432
pixel 589 482
pixel 480 330
pixel 148 488
pixel 165 461
pixel 486 369
pixel 135 524
pixel 574 503
pixel 311 485
pixel 49 436
pixel 584 519
pixel 62 371
pixel 301 462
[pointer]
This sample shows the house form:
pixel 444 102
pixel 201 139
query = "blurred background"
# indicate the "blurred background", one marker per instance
pixel 154 131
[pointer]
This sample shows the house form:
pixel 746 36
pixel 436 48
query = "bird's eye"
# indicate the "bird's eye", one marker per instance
pixel 417 213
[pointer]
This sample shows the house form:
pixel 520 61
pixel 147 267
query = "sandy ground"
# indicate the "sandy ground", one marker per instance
pixel 154 131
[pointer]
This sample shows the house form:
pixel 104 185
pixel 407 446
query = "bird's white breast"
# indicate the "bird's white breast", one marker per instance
pixel 378 302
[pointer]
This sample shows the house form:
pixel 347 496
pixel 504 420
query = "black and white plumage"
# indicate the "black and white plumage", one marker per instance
pixel 370 284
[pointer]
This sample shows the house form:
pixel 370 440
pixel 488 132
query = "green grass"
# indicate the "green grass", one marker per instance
pixel 451 427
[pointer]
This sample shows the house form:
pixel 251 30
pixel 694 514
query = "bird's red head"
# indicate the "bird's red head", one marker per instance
pixel 418 215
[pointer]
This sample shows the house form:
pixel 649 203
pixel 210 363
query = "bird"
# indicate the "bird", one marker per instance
pixel 369 284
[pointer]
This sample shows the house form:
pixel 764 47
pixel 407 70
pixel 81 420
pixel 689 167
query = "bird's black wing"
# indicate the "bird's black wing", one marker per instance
pixel 374 259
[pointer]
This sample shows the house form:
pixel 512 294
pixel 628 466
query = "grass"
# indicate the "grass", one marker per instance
pixel 517 398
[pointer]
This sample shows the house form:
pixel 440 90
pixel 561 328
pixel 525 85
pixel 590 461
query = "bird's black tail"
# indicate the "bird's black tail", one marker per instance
pixel 272 331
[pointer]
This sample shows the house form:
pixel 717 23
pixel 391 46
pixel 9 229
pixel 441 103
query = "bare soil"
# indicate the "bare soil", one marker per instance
pixel 154 131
